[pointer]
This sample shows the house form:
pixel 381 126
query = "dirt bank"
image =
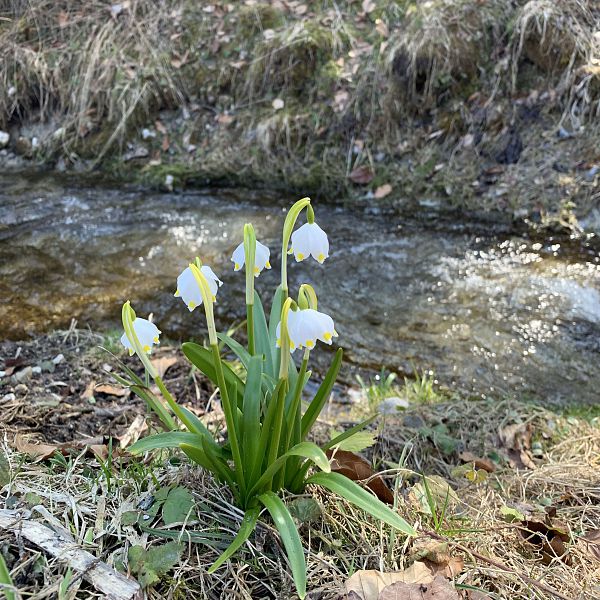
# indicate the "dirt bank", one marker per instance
pixel 445 103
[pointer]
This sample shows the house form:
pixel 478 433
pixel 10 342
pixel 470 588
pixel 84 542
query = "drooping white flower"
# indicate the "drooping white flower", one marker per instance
pixel 147 333
pixel 307 326
pixel 261 258
pixel 310 240
pixel 188 289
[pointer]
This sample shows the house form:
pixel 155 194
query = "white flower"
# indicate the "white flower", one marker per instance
pixel 147 333
pixel 307 326
pixel 188 289
pixel 310 240
pixel 261 258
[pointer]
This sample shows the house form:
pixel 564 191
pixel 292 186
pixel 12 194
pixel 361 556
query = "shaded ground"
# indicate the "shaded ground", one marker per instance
pixel 499 470
pixel 449 103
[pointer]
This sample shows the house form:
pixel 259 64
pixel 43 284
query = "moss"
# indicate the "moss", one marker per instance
pixel 253 20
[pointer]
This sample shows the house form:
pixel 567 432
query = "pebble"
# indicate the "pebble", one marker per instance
pixel 10 397
pixel 23 374
pixel 392 405
pixel 58 359
pixel 4 139
pixel 37 370
pixel 21 388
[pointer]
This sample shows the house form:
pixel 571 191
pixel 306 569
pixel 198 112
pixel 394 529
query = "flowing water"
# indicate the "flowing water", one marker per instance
pixel 489 312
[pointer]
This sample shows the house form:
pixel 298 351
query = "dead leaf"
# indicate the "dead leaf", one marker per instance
pixel 592 542
pixel 439 589
pixel 382 28
pixel 134 431
pixel 516 440
pixel 382 191
pixel 225 119
pixel 362 175
pixel 340 100
pixel 63 19
pixel 367 585
pixel 357 468
pixel 112 390
pixel 36 451
pixel 437 557
pixel 479 463
pixel 547 537
pixel 165 143
pixel 88 393
pixel 163 364
pixel 160 127
pixel 368 6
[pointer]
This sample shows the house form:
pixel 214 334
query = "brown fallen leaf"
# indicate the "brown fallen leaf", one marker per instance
pixel 480 463
pixel 439 589
pixel 437 557
pixel 112 390
pixel 355 467
pixel 88 393
pixel 163 364
pixel 592 542
pixel 516 440
pixel 382 28
pixel 134 431
pixel 225 119
pixel 362 175
pixel 382 191
pixel 41 451
pixel 367 585
pixel 548 536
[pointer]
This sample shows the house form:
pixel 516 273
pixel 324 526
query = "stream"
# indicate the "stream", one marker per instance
pixel 491 313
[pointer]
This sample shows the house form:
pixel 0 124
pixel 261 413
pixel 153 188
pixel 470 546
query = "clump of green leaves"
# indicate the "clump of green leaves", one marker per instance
pixel 267 448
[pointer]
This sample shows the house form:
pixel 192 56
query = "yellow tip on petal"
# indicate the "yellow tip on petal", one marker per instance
pixel 237 266
pixel 256 270
pixel 278 343
pixel 292 346
pixel 131 351
pixel 310 344
pixel 268 265
pixel 299 256
pixel 155 339
pixel 146 348
pixel 176 294
pixel 214 298
pixel 321 258
pixel 327 336
pixel 291 251
pixel 191 305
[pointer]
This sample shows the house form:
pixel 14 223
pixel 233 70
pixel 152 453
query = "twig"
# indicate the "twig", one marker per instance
pixel 542 586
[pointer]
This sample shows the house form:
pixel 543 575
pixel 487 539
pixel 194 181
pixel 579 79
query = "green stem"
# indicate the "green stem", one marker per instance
pixel 288 227
pixel 250 327
pixel 174 406
pixel 229 419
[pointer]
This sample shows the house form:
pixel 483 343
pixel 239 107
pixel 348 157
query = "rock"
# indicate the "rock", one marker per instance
pixel 391 405
pixel 23 147
pixel 23 374
pixel 21 389
pixel 37 370
pixel 148 133
pixel 169 179
pixel 4 139
pixel 58 359
pixel 10 397
pixel 47 366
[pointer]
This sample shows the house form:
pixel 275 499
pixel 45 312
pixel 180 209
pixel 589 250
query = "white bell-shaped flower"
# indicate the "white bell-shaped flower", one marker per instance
pixel 307 326
pixel 310 240
pixel 188 289
pixel 147 333
pixel 261 258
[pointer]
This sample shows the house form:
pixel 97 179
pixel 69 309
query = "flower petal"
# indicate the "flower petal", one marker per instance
pixel 301 242
pixel 188 290
pixel 238 258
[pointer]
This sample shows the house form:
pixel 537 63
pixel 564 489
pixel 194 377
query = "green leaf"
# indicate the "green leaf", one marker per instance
pixel 274 318
pixel 318 402
pixel 6 579
pixel 236 348
pixel 150 565
pixel 341 485
pixel 177 506
pixel 351 433
pixel 167 439
pixel 202 358
pixel 357 441
pixel 305 449
pixel 246 528
pixel 4 470
pixel 154 405
pixel 251 413
pixel 208 538
pixel 305 510
pixel 290 538
pixel 511 514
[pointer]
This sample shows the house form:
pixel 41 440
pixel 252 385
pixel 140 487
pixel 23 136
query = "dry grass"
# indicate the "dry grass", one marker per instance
pixel 78 496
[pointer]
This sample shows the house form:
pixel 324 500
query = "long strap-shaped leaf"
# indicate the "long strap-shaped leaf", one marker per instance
pixel 262 340
pixel 251 414
pixel 306 450
pixel 167 439
pixel 290 538
pixel 340 484
pixel 246 528
pixel 318 402
pixel 236 348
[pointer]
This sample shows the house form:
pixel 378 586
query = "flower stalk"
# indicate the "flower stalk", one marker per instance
pixel 250 259
pixel 288 227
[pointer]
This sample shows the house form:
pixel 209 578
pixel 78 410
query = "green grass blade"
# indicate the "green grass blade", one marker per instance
pixel 290 538
pixel 6 579
pixel 318 402
pixel 304 449
pixel 349 432
pixel 167 439
pixel 341 485
pixel 246 529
